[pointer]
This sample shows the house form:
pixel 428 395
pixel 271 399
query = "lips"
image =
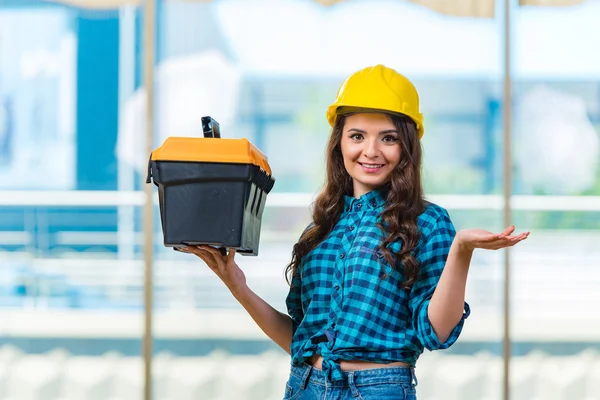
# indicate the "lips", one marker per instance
pixel 371 166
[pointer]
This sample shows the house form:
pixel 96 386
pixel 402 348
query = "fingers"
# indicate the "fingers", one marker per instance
pixel 217 255
pixel 230 255
pixel 204 255
pixel 189 250
pixel 518 237
pixel 507 241
pixel 508 231
pixel 220 254
pixel 505 234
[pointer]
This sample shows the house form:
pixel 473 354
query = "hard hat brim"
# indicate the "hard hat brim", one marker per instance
pixel 348 110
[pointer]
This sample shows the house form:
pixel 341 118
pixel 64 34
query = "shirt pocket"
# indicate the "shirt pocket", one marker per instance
pixel 376 258
pixel 376 254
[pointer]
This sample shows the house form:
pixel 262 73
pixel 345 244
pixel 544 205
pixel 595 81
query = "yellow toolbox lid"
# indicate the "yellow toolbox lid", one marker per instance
pixel 237 151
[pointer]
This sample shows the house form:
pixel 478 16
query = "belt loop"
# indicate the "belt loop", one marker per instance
pixel 305 376
pixel 413 376
pixel 353 389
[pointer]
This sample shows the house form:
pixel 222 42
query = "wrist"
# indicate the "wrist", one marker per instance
pixel 239 292
pixel 461 245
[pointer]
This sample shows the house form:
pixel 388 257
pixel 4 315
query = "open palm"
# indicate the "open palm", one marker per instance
pixel 482 239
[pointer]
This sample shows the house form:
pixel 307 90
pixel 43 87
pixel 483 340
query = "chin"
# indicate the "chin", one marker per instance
pixel 372 184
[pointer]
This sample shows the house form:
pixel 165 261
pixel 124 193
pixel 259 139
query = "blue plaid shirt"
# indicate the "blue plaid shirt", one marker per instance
pixel 342 310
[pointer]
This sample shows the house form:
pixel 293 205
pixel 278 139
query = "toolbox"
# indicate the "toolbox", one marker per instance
pixel 211 190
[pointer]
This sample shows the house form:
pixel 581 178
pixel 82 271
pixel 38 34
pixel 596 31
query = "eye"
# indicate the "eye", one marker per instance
pixel 356 136
pixel 390 139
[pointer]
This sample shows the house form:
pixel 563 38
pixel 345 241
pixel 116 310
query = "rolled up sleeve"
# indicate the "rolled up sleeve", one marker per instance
pixel 435 246
pixel 293 302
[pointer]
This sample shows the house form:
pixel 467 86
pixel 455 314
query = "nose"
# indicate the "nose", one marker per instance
pixel 371 149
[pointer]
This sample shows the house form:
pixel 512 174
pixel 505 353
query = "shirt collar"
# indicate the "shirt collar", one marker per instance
pixel 373 199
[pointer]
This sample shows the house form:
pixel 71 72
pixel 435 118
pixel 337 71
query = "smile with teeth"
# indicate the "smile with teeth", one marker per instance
pixel 371 166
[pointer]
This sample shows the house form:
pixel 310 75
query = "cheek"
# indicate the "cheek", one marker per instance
pixel 349 152
pixel 349 164
pixel 393 156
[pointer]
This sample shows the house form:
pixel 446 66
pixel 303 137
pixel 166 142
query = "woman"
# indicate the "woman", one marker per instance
pixel 380 273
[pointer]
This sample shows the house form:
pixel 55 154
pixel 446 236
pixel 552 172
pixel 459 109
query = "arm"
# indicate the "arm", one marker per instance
pixel 433 254
pixel 276 325
pixel 447 303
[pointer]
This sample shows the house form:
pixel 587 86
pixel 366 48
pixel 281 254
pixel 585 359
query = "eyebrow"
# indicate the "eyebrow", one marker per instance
pixel 384 132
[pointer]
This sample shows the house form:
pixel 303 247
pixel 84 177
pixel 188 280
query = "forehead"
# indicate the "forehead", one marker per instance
pixel 368 121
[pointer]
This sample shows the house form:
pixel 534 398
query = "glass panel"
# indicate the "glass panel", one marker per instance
pixel 71 276
pixel 267 70
pixel 557 184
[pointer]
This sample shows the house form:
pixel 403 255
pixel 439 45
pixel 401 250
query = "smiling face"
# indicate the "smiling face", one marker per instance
pixel 370 148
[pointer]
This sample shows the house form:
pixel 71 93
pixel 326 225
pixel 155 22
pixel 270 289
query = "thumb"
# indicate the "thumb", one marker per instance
pixel 508 230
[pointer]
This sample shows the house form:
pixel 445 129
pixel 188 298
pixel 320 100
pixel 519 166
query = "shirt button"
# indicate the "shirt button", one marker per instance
pixel 337 287
pixel 342 256
pixel 351 228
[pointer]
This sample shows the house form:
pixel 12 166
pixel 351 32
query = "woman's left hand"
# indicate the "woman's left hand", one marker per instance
pixel 472 239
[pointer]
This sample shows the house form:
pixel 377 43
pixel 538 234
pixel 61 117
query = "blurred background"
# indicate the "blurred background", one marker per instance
pixel 73 165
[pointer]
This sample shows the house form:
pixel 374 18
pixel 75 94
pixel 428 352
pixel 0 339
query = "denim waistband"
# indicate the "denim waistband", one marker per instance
pixel 399 374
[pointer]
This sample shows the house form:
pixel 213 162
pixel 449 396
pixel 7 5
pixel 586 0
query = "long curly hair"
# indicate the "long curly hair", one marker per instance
pixel 404 201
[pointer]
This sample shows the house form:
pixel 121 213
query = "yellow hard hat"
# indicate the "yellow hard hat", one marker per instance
pixel 377 88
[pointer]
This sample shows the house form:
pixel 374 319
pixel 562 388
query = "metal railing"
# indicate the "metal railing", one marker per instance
pixel 101 198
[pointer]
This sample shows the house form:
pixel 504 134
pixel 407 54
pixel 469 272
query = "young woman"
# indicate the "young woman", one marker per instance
pixel 380 273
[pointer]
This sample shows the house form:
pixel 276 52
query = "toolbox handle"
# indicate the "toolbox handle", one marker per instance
pixel 210 127
pixel 149 176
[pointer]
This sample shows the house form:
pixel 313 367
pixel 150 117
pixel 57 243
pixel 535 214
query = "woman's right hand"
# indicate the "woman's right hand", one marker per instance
pixel 223 265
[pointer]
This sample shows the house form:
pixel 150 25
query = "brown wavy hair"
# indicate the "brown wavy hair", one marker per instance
pixel 404 201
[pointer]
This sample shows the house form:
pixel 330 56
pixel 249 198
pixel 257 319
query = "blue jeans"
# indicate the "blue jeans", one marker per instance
pixel 392 383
